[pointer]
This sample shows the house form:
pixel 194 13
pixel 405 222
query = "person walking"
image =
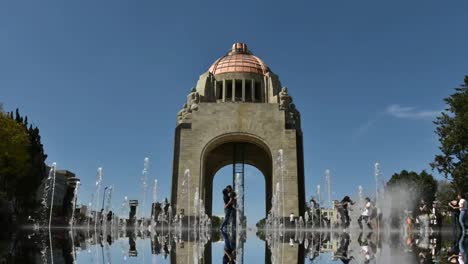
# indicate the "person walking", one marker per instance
pixel 229 202
pixel 343 209
pixel 366 214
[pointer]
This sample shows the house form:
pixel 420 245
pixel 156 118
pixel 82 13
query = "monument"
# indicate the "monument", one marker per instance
pixel 238 113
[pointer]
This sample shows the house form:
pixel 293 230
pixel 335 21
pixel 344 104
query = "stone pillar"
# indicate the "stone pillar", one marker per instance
pixel 262 93
pixel 253 90
pixel 233 90
pixel 224 90
pixel 243 90
pixel 215 90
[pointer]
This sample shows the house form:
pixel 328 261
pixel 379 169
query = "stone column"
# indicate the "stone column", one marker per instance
pixel 224 90
pixel 243 90
pixel 233 90
pixel 215 91
pixel 262 93
pixel 253 90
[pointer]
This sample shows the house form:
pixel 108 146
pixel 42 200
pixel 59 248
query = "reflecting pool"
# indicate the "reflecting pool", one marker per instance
pixel 251 246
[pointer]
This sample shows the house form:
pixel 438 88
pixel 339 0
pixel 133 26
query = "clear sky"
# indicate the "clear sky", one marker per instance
pixel 104 80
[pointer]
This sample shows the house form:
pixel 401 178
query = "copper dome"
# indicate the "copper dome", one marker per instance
pixel 239 59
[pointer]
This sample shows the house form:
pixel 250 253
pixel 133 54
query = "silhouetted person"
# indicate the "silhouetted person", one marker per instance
pixel 342 251
pixel 166 205
pixel 229 198
pixel 343 209
pixel 109 216
pixel 166 250
pixel 455 216
pixel 155 246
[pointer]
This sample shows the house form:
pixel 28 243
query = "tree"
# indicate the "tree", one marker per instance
pixel 216 221
pixel 14 156
pixel 22 162
pixel 421 186
pixel 261 223
pixel 406 189
pixel 445 194
pixel 452 129
pixel 37 169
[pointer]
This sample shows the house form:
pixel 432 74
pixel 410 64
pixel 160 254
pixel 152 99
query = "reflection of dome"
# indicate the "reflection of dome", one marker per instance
pixel 239 59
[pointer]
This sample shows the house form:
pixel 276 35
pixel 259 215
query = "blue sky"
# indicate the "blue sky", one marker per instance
pixel 104 80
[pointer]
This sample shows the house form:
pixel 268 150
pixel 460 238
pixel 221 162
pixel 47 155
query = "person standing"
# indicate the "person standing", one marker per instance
pixel 462 207
pixel 462 204
pixel 228 205
pixel 455 216
pixel 291 219
pixel 343 209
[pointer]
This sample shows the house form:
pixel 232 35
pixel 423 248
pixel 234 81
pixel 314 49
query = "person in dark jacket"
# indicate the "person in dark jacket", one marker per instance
pixel 229 198
pixel 343 209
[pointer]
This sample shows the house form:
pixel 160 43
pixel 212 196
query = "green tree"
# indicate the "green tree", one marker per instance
pixel 445 194
pixel 261 223
pixel 37 169
pixel 14 156
pixel 216 221
pixel 22 162
pixel 452 129
pixel 421 186
pixel 406 189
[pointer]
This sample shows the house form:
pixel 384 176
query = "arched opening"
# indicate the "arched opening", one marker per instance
pixel 254 192
pixel 221 152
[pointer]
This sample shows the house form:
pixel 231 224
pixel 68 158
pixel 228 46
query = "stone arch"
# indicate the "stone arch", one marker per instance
pixel 219 153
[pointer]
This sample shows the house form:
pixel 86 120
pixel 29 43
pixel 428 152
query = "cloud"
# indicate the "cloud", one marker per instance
pixel 409 112
pixel 395 110
pixel 364 127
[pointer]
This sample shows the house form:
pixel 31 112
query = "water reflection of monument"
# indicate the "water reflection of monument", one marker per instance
pixel 237 114
pixel 132 252
pixel 298 246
